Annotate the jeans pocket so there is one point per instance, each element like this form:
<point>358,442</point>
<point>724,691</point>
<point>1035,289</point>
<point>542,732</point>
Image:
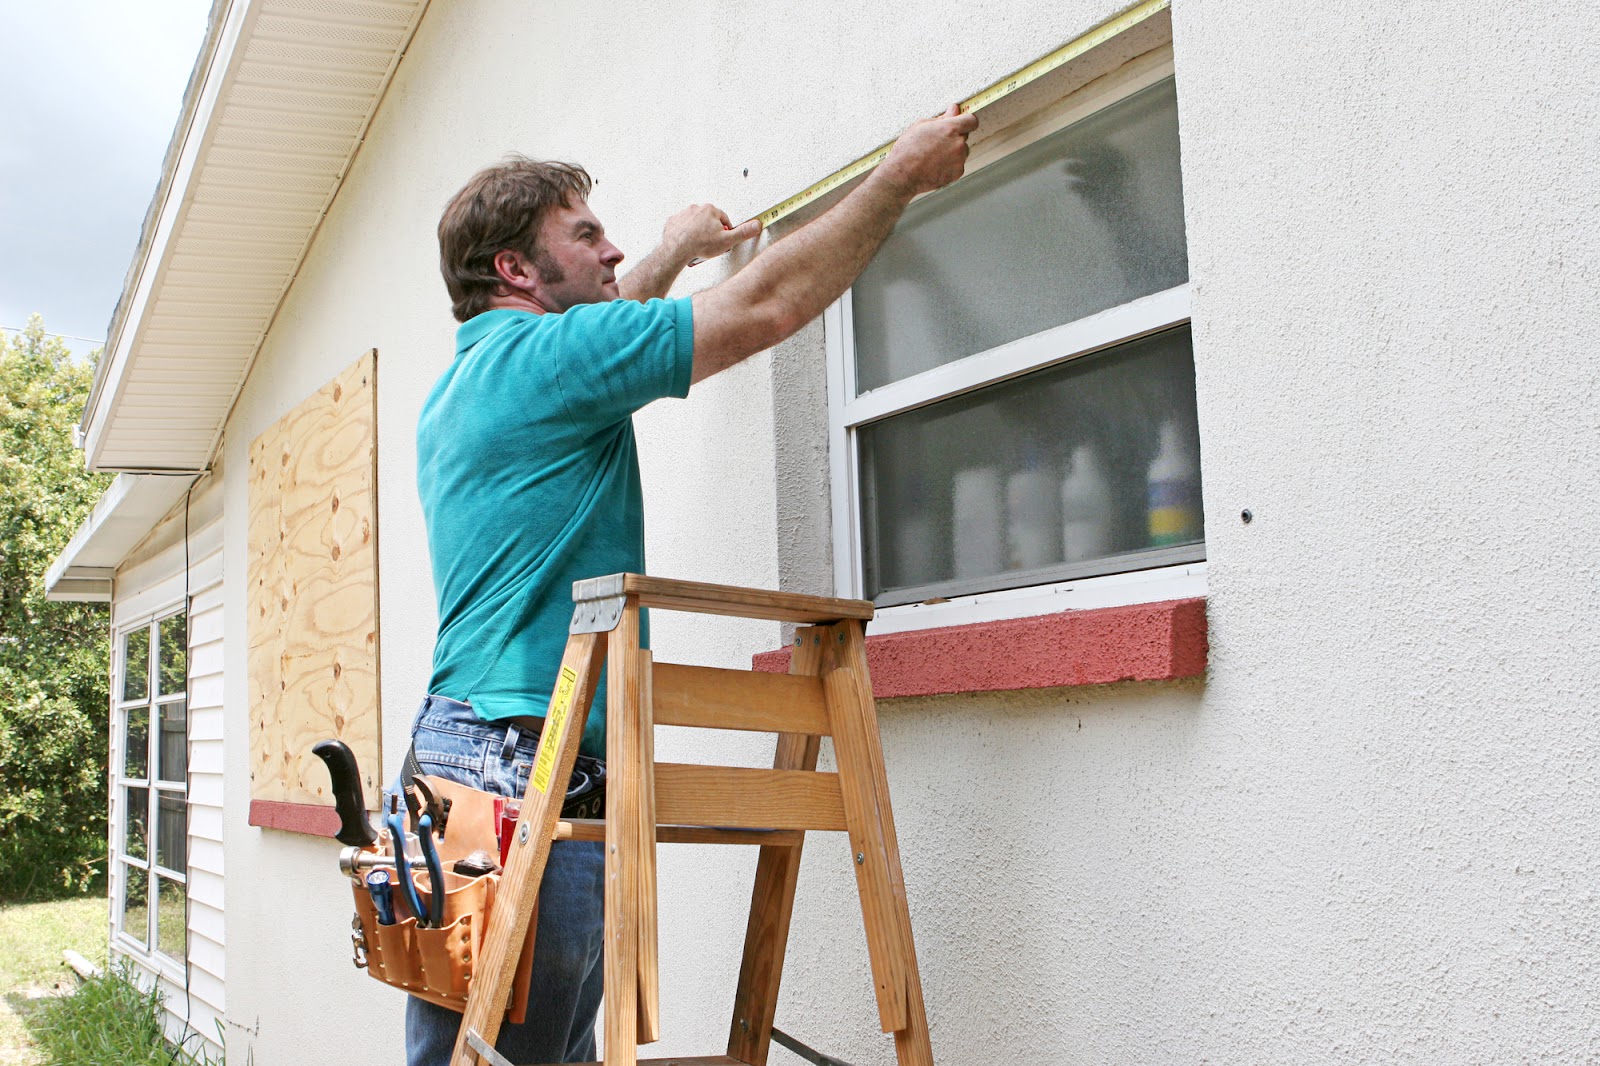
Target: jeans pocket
<point>452,756</point>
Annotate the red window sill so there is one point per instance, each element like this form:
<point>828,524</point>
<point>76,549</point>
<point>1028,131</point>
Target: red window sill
<point>1142,642</point>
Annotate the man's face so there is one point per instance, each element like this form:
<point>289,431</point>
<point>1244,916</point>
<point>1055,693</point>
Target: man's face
<point>576,264</point>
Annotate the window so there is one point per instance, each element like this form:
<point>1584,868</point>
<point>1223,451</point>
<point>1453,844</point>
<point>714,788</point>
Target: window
<point>151,781</point>
<point>1011,379</point>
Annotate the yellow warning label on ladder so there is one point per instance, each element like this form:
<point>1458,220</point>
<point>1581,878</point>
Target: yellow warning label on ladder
<point>555,726</point>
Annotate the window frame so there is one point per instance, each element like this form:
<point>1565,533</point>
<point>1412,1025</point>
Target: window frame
<point>849,412</point>
<point>148,949</point>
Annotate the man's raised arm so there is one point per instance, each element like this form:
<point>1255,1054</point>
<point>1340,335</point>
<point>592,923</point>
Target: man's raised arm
<point>794,280</point>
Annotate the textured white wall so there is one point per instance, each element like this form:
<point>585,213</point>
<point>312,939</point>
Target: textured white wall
<point>1393,238</point>
<point>1370,835</point>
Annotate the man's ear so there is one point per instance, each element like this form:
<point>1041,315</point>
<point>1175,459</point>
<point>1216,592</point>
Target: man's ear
<point>515,271</point>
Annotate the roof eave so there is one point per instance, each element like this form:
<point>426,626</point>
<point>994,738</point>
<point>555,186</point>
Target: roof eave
<point>126,512</point>
<point>244,190</point>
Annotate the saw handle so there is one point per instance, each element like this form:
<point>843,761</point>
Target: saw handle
<point>354,828</point>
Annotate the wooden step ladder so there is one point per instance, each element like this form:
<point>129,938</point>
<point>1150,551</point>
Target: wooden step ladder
<point>826,693</point>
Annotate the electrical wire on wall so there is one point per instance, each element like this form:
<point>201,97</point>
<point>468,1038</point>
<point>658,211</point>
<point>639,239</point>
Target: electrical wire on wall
<point>189,1031</point>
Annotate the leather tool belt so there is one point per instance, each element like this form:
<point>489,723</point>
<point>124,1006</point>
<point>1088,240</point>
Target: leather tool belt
<point>435,961</point>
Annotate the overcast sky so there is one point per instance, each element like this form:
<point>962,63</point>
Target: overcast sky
<point>91,91</point>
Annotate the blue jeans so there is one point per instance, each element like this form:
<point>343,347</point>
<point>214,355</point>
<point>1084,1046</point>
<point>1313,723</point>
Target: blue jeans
<point>568,977</point>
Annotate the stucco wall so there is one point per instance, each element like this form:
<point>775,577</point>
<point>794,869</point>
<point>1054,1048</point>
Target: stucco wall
<point>1370,835</point>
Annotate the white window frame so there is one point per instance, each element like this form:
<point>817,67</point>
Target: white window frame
<point>149,951</point>
<point>849,411</point>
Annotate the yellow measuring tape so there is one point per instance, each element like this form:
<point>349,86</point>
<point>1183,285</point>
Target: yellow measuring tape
<point>981,99</point>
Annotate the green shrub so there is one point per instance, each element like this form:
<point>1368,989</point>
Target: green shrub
<point>52,798</point>
<point>109,1021</point>
<point>54,704</point>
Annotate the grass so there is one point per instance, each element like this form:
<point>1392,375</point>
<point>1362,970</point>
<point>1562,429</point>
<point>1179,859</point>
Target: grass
<point>32,937</point>
<point>105,1021</point>
<point>109,1021</point>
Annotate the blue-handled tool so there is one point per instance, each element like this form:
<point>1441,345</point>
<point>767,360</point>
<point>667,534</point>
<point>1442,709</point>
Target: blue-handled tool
<point>402,864</point>
<point>430,855</point>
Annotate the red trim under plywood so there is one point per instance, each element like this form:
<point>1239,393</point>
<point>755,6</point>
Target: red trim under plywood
<point>1141,642</point>
<point>311,818</point>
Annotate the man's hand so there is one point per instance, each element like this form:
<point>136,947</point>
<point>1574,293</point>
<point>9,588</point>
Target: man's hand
<point>790,283</point>
<point>703,231</point>
<point>698,232</point>
<point>931,153</point>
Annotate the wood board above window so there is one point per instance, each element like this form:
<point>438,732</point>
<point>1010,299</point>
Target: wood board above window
<point>313,591</point>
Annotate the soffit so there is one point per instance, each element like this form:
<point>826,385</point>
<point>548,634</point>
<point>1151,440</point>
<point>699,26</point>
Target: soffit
<point>124,515</point>
<point>276,113</point>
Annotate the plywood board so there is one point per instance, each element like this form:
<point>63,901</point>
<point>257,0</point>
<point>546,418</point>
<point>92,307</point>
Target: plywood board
<point>313,590</point>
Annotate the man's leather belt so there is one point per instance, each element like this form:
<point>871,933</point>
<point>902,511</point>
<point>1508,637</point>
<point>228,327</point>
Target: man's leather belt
<point>586,790</point>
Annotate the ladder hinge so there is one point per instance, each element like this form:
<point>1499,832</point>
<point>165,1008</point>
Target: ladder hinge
<point>597,615</point>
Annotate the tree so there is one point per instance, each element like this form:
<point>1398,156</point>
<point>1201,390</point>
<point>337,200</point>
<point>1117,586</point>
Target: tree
<point>54,699</point>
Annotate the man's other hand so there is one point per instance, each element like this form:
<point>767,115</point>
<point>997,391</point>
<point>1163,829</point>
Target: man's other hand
<point>703,231</point>
<point>931,153</point>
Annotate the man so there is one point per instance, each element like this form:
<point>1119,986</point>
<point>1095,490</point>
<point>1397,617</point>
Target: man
<point>529,479</point>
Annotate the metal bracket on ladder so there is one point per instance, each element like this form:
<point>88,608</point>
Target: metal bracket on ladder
<point>598,604</point>
<point>810,1054</point>
<point>488,1053</point>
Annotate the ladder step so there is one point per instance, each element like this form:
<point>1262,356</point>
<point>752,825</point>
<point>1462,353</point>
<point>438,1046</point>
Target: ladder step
<point>595,829</point>
<point>715,698</point>
<point>740,796</point>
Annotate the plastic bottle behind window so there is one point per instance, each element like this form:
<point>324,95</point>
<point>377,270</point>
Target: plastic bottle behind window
<point>1174,488</point>
<point>977,528</point>
<point>1086,509</point>
<point>1033,515</point>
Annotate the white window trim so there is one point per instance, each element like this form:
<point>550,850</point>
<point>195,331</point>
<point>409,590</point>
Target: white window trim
<point>148,955</point>
<point>848,412</point>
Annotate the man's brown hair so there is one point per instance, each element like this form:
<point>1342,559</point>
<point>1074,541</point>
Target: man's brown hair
<point>501,208</point>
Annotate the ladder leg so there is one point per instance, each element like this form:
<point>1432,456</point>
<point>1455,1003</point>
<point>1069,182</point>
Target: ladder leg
<point>496,967</point>
<point>649,1022</point>
<point>624,839</point>
<point>772,901</point>
<point>865,787</point>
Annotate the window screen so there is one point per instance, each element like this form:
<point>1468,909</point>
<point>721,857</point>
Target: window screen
<point>1083,220</point>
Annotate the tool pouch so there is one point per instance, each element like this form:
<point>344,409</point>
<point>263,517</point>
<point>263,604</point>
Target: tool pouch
<point>438,964</point>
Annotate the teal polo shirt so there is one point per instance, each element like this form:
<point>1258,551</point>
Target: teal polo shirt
<point>529,479</point>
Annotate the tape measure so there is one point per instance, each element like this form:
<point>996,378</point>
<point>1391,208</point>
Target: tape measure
<point>979,100</point>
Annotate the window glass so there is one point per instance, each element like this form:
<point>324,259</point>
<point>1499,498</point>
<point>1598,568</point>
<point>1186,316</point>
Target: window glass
<point>136,664</point>
<point>172,747</point>
<point>1089,466</point>
<point>172,655</point>
<point>1085,219</point>
<point>136,903</point>
<point>136,823</point>
<point>153,892</point>
<point>136,743</point>
<point>172,831</point>
<point>172,932</point>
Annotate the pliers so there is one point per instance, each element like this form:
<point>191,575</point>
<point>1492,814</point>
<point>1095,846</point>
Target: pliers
<point>430,855</point>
